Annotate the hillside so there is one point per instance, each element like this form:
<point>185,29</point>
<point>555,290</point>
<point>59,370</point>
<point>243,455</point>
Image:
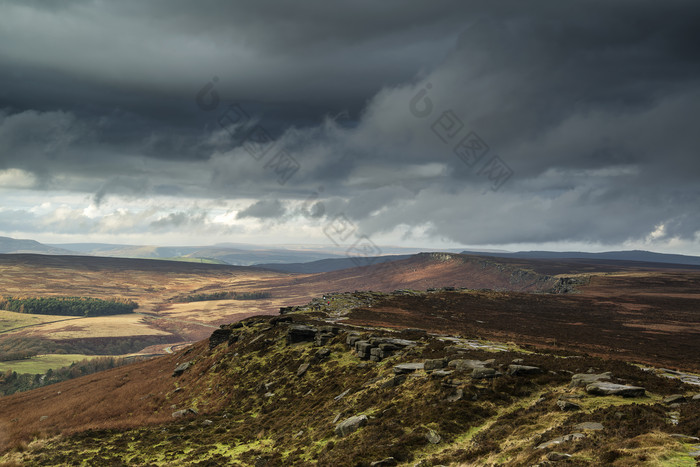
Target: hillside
<point>11,245</point>
<point>302,389</point>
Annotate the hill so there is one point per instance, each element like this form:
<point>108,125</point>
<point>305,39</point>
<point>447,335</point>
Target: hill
<point>306,388</point>
<point>11,245</point>
<point>632,255</point>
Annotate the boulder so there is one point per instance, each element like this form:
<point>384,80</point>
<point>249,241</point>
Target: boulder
<point>675,399</point>
<point>300,333</point>
<point>611,389</point>
<point>404,368</point>
<point>184,413</point>
<point>434,364</point>
<point>219,336</point>
<point>561,439</point>
<point>461,364</point>
<point>481,373</point>
<point>438,374</point>
<point>396,380</point>
<point>349,425</point>
<point>322,354</point>
<point>302,369</point>
<point>522,370</point>
<point>455,396</point>
<point>280,319</point>
<point>696,397</point>
<point>181,368</point>
<point>352,338</point>
<point>557,456</point>
<point>433,437</point>
<point>567,405</point>
<point>595,426</point>
<point>584,379</point>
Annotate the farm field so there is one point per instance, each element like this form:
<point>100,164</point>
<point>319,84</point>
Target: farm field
<point>42,363</point>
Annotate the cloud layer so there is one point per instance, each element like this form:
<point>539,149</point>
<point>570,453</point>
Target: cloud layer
<point>459,123</point>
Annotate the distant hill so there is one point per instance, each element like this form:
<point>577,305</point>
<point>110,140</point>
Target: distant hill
<point>12,245</point>
<point>327,265</point>
<point>629,255</point>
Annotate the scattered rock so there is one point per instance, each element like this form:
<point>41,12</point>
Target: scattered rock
<point>341,395</point>
<point>184,413</point>
<point>43,417</point>
<point>433,437</point>
<point>349,425</point>
<point>522,370</point>
<point>481,373</point>
<point>298,434</point>
<point>404,368</point>
<point>675,399</point>
<point>207,422</point>
<point>567,405</point>
<point>300,333</point>
<point>302,369</point>
<point>612,389</point>
<point>455,396</point>
<point>561,439</point>
<point>389,461</point>
<point>397,380</point>
<point>219,336</point>
<point>322,353</point>
<point>434,364</point>
<point>180,369</point>
<point>584,379</point>
<point>595,426</point>
<point>557,456</point>
<point>696,397</point>
<point>517,361</point>
<point>437,374</point>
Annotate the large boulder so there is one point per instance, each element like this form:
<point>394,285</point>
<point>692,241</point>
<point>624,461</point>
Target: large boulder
<point>483,373</point>
<point>561,439</point>
<point>466,365</point>
<point>603,388</point>
<point>300,333</point>
<point>584,379</point>
<point>184,413</point>
<point>434,364</point>
<point>219,336</point>
<point>349,425</point>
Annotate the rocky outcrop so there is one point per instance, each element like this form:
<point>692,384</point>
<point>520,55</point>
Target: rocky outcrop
<point>584,379</point>
<point>523,370</point>
<point>184,413</point>
<point>219,336</point>
<point>561,439</point>
<point>405,368</point>
<point>300,333</point>
<point>378,348</point>
<point>181,368</point>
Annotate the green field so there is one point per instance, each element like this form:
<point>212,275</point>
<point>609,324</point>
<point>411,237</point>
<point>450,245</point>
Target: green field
<point>189,259</point>
<point>10,320</point>
<point>41,363</point>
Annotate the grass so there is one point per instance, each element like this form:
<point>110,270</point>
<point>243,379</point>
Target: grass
<point>9,320</point>
<point>41,363</point>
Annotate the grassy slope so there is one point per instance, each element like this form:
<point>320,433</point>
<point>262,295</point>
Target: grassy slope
<point>41,363</point>
<point>290,421</point>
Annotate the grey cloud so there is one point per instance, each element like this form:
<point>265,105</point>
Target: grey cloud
<point>263,209</point>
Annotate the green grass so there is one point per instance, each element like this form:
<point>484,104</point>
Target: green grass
<point>41,363</point>
<point>188,259</point>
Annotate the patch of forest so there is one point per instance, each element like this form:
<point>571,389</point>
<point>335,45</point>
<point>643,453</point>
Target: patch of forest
<point>68,306</point>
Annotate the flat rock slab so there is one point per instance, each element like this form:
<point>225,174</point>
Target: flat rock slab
<point>675,399</point>
<point>523,370</point>
<point>349,425</point>
<point>561,439</point>
<point>584,379</point>
<point>595,426</point>
<point>568,405</point>
<point>464,364</point>
<point>481,373</point>
<point>612,389</point>
<point>404,368</point>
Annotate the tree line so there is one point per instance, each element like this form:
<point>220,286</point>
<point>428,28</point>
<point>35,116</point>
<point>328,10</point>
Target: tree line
<point>68,306</point>
<point>202,297</point>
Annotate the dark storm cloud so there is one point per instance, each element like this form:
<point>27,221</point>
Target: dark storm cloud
<point>591,104</point>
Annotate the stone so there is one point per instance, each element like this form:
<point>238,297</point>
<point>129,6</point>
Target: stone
<point>219,336</point>
<point>349,425</point>
<point>522,370</point>
<point>341,395</point>
<point>481,373</point>
<point>696,397</point>
<point>352,338</point>
<point>433,437</point>
<point>455,396</point>
<point>567,405</point>
<point>300,333</point>
<point>437,374</point>
<point>323,338</point>
<point>560,440</point>
<point>584,379</point>
<point>322,354</point>
<point>557,456</point>
<point>594,426</point>
<point>43,417</point>
<point>280,319</point>
<point>181,368</point>
<point>302,369</point>
<point>404,368</point>
<point>611,389</point>
<point>387,462</point>
<point>675,399</point>
<point>207,422</point>
<point>461,364</point>
<point>434,364</point>
<point>397,380</point>
<point>184,413</point>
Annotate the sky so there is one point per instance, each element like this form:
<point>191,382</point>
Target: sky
<point>510,125</point>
